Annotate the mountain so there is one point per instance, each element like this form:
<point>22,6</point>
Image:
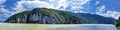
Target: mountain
<point>96,19</point>
<point>45,16</point>
<point>117,23</point>
<point>53,16</point>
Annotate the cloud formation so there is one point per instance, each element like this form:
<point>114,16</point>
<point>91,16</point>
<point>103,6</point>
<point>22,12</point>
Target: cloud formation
<point>54,4</point>
<point>101,11</point>
<point>2,1</point>
<point>113,14</point>
<point>24,5</point>
<point>3,12</point>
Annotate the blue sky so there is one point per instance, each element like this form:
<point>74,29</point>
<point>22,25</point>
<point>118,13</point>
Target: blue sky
<point>106,8</point>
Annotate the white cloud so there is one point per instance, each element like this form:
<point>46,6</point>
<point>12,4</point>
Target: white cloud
<point>101,11</point>
<point>97,3</point>
<point>2,1</point>
<point>24,5</point>
<point>80,12</point>
<point>54,4</point>
<point>2,8</point>
<point>4,12</point>
<point>101,8</point>
<point>113,14</point>
<point>77,4</point>
<point>76,8</point>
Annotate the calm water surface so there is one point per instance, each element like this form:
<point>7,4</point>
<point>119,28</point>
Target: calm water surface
<point>10,26</point>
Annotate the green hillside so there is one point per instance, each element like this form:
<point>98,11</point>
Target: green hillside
<point>45,16</point>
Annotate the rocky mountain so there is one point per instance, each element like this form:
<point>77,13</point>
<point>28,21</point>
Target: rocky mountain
<point>53,16</point>
<point>96,19</point>
<point>45,16</point>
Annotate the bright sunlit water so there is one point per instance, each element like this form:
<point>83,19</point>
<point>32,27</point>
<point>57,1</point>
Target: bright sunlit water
<point>9,26</point>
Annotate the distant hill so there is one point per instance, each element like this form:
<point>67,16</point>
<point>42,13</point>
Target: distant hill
<point>45,16</point>
<point>96,19</point>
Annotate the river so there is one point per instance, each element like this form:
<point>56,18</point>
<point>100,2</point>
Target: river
<point>10,26</point>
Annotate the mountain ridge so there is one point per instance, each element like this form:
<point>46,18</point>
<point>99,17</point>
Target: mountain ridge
<point>53,16</point>
<point>93,18</point>
<point>45,16</point>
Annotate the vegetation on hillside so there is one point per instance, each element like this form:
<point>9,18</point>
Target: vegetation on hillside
<point>117,23</point>
<point>45,16</point>
<point>96,19</point>
<point>53,16</point>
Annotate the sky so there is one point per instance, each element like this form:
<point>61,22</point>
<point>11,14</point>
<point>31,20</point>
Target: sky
<point>106,8</point>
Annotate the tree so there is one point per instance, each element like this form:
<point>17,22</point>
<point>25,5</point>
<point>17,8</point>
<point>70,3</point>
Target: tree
<point>117,23</point>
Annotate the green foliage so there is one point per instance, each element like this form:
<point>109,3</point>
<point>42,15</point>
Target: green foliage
<point>17,17</point>
<point>117,23</point>
<point>62,17</point>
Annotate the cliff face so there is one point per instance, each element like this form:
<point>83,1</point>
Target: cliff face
<point>45,16</point>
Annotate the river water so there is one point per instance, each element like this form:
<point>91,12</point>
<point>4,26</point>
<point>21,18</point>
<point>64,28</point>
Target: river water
<point>10,26</point>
